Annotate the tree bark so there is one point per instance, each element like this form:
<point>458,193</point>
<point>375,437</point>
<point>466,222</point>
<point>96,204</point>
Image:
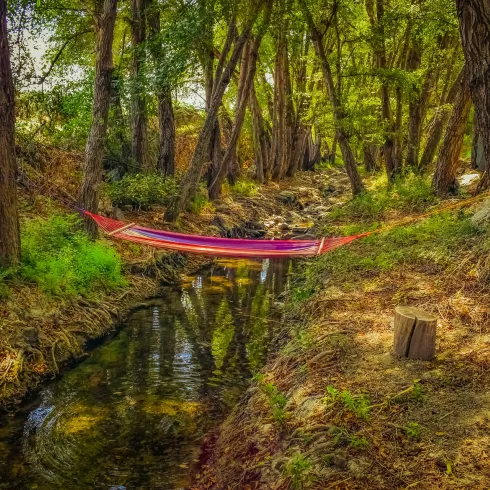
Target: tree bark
<point>437,125</point>
<point>474,27</point>
<point>166,120</point>
<point>9,217</point>
<point>104,18</point>
<point>261,137</point>
<point>444,179</point>
<point>191,179</point>
<point>415,333</point>
<point>139,138</point>
<point>415,108</point>
<point>166,143</point>
<point>341,135</point>
<point>279,140</point>
<point>370,157</point>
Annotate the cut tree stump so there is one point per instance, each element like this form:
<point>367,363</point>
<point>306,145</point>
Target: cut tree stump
<point>415,333</point>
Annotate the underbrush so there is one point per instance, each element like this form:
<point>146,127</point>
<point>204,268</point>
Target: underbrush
<point>62,261</point>
<point>142,190</point>
<point>245,188</point>
<point>434,243</point>
<point>411,194</point>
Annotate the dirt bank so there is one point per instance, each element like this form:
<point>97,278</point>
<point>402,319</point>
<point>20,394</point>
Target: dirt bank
<point>334,408</point>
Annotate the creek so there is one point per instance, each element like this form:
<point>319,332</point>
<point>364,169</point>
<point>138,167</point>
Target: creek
<point>134,413</point>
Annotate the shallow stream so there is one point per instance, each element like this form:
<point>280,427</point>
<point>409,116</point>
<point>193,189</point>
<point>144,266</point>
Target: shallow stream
<point>135,412</point>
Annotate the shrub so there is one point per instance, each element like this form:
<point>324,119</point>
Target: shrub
<point>411,193</point>
<point>61,259</point>
<point>142,190</point>
<point>245,188</point>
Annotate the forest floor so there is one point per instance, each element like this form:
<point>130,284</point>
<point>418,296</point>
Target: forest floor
<point>334,407</point>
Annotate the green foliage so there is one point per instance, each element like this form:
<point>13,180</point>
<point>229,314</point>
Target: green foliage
<point>277,400</point>
<point>412,430</point>
<point>356,404</point>
<point>358,442</point>
<point>62,261</point>
<point>408,194</point>
<point>199,202</point>
<point>245,188</point>
<point>142,190</point>
<point>298,469</point>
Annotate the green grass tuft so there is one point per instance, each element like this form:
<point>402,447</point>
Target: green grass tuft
<point>62,261</point>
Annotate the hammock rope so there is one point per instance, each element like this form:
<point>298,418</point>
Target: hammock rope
<point>236,247</point>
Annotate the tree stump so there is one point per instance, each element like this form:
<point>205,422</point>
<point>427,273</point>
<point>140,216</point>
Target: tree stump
<point>415,333</point>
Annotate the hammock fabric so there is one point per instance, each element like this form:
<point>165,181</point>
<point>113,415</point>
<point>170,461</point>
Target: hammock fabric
<point>230,247</point>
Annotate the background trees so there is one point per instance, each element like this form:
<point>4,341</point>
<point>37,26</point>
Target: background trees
<point>259,89</point>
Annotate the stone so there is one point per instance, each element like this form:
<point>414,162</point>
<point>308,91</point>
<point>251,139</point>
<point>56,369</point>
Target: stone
<point>481,219</point>
<point>287,197</point>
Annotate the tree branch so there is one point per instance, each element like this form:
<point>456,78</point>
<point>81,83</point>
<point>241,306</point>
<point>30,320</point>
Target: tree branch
<point>42,79</point>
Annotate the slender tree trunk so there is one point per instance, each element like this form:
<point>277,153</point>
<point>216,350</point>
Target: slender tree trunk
<point>279,140</point>
<point>474,27</point>
<point>105,17</point>
<point>190,181</point>
<point>9,218</point>
<point>166,121</point>
<point>342,138</point>
<point>437,125</point>
<point>139,139</point>
<point>370,157</point>
<point>261,137</point>
<point>444,179</point>
<point>415,108</point>
<point>166,143</point>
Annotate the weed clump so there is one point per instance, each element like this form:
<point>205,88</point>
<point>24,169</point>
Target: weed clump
<point>62,261</point>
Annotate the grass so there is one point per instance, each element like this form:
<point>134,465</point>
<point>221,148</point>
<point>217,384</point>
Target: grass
<point>410,194</point>
<point>62,261</point>
<point>433,244</point>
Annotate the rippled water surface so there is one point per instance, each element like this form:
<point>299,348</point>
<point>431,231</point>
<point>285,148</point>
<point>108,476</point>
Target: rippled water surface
<point>135,412</point>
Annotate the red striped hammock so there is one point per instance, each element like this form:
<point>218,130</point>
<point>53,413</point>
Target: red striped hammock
<point>205,245</point>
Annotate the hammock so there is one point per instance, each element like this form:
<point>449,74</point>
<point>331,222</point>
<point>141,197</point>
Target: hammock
<point>230,247</point>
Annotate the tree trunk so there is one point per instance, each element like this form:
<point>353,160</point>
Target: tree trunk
<point>94,150</point>
<point>261,137</point>
<point>342,137</point>
<point>370,157</point>
<point>474,27</point>
<point>444,179</point>
<point>415,333</point>
<point>191,179</point>
<point>476,146</point>
<point>437,125</point>
<point>166,144</point>
<point>279,140</point>
<point>166,121</point>
<point>415,108</point>
<point>9,218</point>
<point>139,138</point>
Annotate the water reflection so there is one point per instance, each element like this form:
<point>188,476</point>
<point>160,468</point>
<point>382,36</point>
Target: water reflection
<point>134,412</point>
